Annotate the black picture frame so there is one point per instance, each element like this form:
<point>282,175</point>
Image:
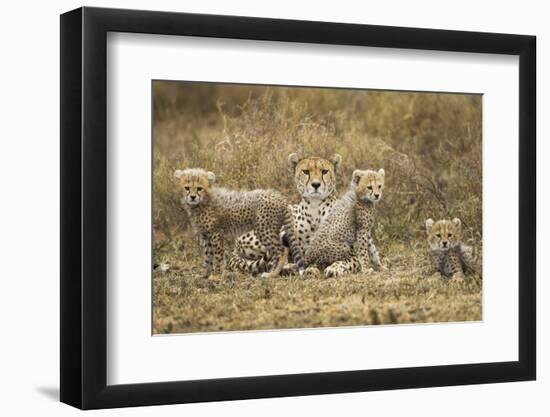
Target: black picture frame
<point>84,207</point>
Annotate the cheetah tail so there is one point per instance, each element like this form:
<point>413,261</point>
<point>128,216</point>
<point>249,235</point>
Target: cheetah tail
<point>253,267</point>
<point>288,238</point>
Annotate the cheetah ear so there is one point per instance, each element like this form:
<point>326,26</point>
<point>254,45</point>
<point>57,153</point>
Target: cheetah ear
<point>429,224</point>
<point>178,173</point>
<point>457,222</point>
<point>382,172</point>
<point>356,176</point>
<point>211,177</point>
<point>336,159</point>
<point>293,160</point>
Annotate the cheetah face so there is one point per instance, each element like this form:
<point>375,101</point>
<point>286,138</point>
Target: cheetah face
<point>368,185</point>
<point>315,177</point>
<point>443,234</point>
<point>194,185</point>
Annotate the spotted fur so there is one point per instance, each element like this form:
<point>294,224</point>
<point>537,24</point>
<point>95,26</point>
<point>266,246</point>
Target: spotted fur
<point>343,244</point>
<point>448,255</point>
<point>315,180</point>
<point>220,214</point>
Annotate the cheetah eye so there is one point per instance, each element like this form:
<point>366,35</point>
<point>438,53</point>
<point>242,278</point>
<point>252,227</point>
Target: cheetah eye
<point>370,187</point>
<point>199,188</point>
<point>186,188</point>
<point>324,171</point>
<point>439,235</point>
<point>450,235</point>
<point>379,186</point>
<point>305,171</point>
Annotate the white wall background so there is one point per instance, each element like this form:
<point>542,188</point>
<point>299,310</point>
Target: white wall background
<point>29,176</point>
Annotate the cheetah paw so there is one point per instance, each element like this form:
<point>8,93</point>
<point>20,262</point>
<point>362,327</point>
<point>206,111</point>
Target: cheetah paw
<point>312,270</point>
<point>458,277</point>
<point>268,275</point>
<point>333,273</point>
<point>379,266</point>
<point>289,269</point>
<point>216,277</point>
<point>434,276</point>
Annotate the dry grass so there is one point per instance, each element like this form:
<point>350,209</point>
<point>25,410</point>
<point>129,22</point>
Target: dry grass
<point>429,145</point>
<point>184,302</point>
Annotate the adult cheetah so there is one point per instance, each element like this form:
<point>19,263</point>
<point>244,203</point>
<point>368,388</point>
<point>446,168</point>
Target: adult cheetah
<point>315,180</point>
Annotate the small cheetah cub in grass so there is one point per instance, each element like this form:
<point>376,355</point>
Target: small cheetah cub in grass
<point>219,215</point>
<point>449,256</point>
<point>343,242</point>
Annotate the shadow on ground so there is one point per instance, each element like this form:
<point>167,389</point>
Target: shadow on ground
<point>50,392</point>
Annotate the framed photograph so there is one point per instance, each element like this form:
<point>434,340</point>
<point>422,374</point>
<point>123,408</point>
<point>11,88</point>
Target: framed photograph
<point>257,208</point>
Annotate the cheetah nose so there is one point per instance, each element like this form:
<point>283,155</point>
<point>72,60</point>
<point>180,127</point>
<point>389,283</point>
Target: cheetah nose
<point>316,185</point>
<point>445,244</point>
<point>193,197</point>
<point>377,196</point>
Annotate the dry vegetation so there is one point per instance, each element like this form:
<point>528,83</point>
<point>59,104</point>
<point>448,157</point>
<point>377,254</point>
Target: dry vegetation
<point>429,145</point>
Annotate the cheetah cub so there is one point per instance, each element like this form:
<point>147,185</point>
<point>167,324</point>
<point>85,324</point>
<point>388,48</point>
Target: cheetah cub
<point>343,242</point>
<point>449,256</point>
<point>219,215</point>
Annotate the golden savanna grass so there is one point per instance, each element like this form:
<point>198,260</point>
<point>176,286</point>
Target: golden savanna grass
<point>429,144</point>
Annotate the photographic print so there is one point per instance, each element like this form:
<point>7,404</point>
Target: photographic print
<point>278,207</point>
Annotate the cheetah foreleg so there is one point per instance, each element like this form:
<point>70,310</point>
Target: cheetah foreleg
<point>455,264</point>
<point>435,260</point>
<point>364,247</point>
<point>218,253</point>
<point>373,255</point>
<point>208,259</point>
